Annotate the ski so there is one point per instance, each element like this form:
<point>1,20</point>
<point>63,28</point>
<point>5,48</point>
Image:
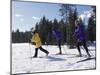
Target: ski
<point>86,59</point>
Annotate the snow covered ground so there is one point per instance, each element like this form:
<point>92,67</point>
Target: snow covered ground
<point>22,63</point>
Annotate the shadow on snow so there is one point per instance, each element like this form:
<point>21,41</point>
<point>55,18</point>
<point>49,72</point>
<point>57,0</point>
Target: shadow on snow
<point>55,59</point>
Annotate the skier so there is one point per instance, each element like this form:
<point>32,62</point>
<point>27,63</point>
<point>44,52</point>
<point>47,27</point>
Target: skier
<point>79,34</point>
<point>37,42</point>
<point>57,35</point>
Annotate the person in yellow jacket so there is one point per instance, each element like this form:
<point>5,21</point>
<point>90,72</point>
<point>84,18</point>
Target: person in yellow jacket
<point>37,42</point>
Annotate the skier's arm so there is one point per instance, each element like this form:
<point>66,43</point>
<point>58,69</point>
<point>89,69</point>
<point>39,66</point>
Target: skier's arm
<point>33,43</point>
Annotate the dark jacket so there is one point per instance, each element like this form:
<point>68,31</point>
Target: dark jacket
<point>79,32</point>
<point>57,35</point>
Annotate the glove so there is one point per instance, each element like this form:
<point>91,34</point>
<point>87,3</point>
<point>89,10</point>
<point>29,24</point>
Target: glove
<point>33,43</point>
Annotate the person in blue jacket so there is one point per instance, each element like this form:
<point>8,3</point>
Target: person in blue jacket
<point>80,36</point>
<point>57,35</point>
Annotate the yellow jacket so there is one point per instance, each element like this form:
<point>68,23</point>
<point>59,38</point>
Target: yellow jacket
<point>36,39</point>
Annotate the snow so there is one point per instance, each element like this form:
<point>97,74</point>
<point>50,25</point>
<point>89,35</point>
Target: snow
<point>22,63</point>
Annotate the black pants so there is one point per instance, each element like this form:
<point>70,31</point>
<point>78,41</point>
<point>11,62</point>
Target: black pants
<point>59,45</point>
<point>36,51</point>
<point>82,43</point>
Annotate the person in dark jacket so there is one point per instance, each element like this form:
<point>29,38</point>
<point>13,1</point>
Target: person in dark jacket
<point>57,35</point>
<point>80,37</point>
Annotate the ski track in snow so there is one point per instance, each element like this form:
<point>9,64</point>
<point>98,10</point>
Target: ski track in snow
<point>22,63</point>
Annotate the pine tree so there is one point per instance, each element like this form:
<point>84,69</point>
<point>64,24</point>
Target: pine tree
<point>69,16</point>
<point>92,25</point>
<point>91,29</point>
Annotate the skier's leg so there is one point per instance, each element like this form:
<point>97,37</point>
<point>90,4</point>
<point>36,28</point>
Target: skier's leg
<point>36,52</point>
<point>44,50</point>
<point>78,48</point>
<point>59,44</point>
<point>84,45</point>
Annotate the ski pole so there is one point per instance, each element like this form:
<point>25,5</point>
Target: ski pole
<point>30,49</point>
<point>89,51</point>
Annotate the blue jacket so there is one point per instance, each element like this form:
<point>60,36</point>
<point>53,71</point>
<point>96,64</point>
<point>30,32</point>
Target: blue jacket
<point>79,32</point>
<point>57,35</point>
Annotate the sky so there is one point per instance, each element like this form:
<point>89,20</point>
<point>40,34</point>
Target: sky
<point>26,14</point>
